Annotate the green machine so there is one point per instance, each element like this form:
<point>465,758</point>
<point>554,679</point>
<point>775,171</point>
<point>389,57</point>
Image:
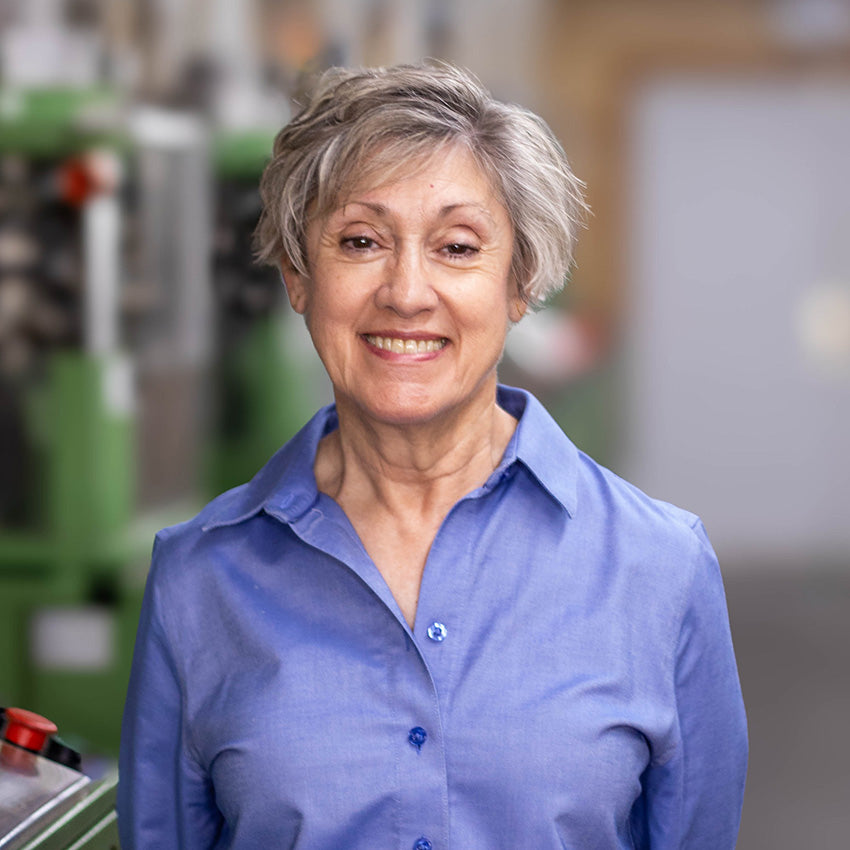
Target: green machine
<point>114,423</point>
<point>100,376</point>
<point>67,477</point>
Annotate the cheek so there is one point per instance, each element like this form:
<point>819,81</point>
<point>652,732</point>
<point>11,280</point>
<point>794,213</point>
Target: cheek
<point>332,320</point>
<point>342,294</point>
<point>488,310</point>
<point>327,306</point>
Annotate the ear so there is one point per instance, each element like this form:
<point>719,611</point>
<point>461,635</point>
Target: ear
<point>517,304</point>
<point>296,286</point>
<point>517,309</point>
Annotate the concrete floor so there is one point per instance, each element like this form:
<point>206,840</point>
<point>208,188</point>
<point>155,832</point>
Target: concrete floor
<point>792,639</point>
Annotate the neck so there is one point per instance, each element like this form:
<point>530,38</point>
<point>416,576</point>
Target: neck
<point>412,470</point>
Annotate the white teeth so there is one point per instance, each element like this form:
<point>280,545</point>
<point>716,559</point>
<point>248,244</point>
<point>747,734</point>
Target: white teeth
<point>406,346</point>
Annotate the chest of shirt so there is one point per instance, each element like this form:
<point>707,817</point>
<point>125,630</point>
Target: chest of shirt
<point>533,695</point>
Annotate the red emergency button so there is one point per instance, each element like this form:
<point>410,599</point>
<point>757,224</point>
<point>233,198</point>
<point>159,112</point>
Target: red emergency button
<point>28,729</point>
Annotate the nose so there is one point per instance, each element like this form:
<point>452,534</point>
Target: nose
<point>407,289</point>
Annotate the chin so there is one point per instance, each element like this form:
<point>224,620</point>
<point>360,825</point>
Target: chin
<point>413,405</point>
<point>403,412</point>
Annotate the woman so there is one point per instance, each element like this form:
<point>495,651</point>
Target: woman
<point>429,621</point>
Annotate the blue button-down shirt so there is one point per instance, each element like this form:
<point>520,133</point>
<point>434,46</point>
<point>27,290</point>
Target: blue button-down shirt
<point>569,682</point>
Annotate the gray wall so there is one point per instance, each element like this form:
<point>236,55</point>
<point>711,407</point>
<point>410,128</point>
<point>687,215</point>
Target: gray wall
<point>738,357</point>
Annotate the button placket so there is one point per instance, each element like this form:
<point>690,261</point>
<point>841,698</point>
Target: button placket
<point>433,644</point>
<point>422,769</point>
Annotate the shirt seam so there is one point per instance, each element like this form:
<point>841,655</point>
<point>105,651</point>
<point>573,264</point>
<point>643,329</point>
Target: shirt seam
<point>191,749</point>
<point>684,601</point>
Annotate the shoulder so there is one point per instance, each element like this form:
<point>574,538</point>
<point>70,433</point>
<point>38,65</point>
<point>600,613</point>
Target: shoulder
<point>659,549</point>
<point>284,486</point>
<point>181,537</point>
<point>599,501</point>
<point>600,489</point>
<point>185,555</point>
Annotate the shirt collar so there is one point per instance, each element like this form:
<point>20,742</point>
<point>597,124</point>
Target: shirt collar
<point>541,446</point>
<point>286,486</point>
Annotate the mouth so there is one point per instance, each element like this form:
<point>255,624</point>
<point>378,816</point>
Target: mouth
<point>397,345</point>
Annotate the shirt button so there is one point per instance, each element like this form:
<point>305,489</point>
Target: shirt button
<point>437,632</point>
<point>422,844</point>
<point>417,736</point>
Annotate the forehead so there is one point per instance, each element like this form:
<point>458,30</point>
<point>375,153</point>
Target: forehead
<point>383,167</point>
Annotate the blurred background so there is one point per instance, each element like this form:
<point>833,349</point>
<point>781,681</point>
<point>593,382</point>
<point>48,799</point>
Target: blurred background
<point>701,349</point>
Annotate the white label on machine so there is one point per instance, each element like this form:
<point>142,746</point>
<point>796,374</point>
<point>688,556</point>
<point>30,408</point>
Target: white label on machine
<point>117,386</point>
<point>81,638</point>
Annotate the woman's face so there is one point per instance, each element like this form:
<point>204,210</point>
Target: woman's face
<point>410,294</point>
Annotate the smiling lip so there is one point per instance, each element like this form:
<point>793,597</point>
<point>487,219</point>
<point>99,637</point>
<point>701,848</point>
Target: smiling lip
<point>407,344</point>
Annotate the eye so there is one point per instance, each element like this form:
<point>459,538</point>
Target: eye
<point>459,249</point>
<point>358,243</point>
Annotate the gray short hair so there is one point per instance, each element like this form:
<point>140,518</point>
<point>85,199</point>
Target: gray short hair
<point>356,124</point>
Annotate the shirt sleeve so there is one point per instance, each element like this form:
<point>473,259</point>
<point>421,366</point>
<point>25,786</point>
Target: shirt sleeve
<point>692,796</point>
<point>164,799</point>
